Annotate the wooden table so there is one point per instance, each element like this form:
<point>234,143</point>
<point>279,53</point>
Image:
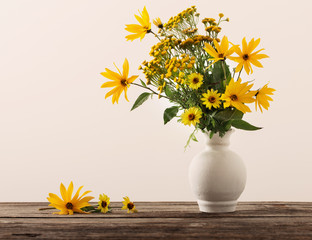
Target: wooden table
<point>169,220</point>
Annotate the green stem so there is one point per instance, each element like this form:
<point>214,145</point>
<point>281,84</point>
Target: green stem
<point>239,73</point>
<point>150,90</point>
<point>156,35</point>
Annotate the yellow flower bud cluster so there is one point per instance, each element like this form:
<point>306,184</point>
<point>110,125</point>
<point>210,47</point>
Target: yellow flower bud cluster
<point>195,40</point>
<point>185,15</point>
<point>189,31</point>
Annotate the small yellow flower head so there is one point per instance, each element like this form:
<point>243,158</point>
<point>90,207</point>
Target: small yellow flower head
<point>103,203</point>
<point>211,99</point>
<point>157,22</point>
<point>262,98</point>
<point>168,74</point>
<point>191,116</point>
<point>195,80</point>
<point>69,204</point>
<point>221,15</point>
<point>128,205</point>
<point>227,20</point>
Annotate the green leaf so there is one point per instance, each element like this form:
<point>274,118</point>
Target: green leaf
<point>191,137</point>
<point>170,113</point>
<point>229,114</point>
<point>168,91</point>
<point>140,100</point>
<point>241,124</point>
<point>143,83</point>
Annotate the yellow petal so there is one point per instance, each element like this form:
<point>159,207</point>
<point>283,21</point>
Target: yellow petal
<point>109,84</point>
<point>111,92</point>
<point>63,192</point>
<point>244,44</point>
<point>70,191</point>
<point>216,44</point>
<point>210,50</point>
<point>132,78</point>
<point>125,69</point>
<point>224,44</point>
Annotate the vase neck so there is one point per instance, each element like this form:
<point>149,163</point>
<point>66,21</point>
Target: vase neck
<point>219,142</point>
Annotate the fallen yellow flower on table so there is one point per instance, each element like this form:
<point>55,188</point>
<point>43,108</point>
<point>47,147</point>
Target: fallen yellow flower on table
<point>104,203</point>
<point>69,205</point>
<point>121,82</point>
<point>128,205</point>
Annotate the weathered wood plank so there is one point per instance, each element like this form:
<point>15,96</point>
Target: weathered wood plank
<point>176,228</point>
<point>165,209</point>
<point>168,220</point>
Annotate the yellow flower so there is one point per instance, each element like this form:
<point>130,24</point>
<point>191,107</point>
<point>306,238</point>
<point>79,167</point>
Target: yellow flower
<point>121,82</point>
<point>139,31</point>
<point>69,205</point>
<point>262,98</point>
<point>247,56</point>
<point>237,94</point>
<point>222,52</point>
<point>103,203</point>
<point>191,116</point>
<point>158,23</point>
<point>195,80</point>
<point>211,99</point>
<point>128,205</point>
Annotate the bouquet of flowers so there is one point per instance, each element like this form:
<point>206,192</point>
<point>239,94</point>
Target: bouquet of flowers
<point>191,71</point>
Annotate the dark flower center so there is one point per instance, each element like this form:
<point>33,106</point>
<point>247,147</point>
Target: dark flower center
<point>212,99</point>
<point>148,30</point>
<point>191,116</point>
<point>124,83</point>
<point>130,205</point>
<point>104,204</point>
<point>160,25</point>
<point>195,80</point>
<point>233,97</point>
<point>221,55</point>
<point>245,57</point>
<point>69,205</point>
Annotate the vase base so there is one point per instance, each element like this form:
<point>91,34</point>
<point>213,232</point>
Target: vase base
<point>217,206</point>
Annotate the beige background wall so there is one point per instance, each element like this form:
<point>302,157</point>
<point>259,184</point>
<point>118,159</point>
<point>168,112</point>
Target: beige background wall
<point>56,126</point>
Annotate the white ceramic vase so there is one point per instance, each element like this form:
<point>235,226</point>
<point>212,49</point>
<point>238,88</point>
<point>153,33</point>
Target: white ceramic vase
<point>217,175</point>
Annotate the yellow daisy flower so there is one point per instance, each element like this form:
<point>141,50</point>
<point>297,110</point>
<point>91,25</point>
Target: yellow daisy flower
<point>157,22</point>
<point>139,31</point>
<point>211,99</point>
<point>191,116</point>
<point>128,205</point>
<point>222,52</point>
<point>246,56</point>
<point>103,203</point>
<point>262,98</point>
<point>121,82</point>
<point>195,80</point>
<point>237,94</point>
<point>69,205</point>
